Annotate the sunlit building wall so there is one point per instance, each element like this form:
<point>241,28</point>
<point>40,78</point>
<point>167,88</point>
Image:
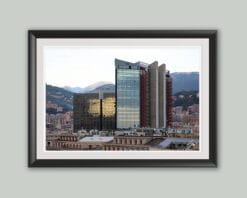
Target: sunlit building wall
<point>154,94</point>
<point>162,96</point>
<point>168,99</point>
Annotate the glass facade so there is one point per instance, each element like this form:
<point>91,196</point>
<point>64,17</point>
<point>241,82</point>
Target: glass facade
<point>140,94</point>
<point>108,111</point>
<point>87,111</point>
<point>128,96</point>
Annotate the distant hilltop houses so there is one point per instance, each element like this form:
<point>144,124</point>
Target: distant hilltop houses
<point>55,107</point>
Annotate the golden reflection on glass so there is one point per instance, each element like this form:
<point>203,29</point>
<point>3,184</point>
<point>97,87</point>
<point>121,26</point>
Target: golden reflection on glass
<point>94,107</point>
<point>109,106</point>
<point>87,113</point>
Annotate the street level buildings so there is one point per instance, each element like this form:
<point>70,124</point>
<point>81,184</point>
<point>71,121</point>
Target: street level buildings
<point>60,140</point>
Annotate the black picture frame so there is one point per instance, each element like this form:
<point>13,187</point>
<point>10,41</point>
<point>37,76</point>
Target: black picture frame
<point>33,35</point>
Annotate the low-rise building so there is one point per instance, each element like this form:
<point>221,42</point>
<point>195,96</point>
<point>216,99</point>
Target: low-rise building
<point>95,142</point>
<point>130,143</point>
<point>75,141</point>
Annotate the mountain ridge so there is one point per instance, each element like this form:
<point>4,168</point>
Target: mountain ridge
<point>185,81</point>
<point>182,81</point>
<point>88,88</point>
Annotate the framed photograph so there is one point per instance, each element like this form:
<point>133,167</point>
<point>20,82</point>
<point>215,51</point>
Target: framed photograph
<point>122,98</point>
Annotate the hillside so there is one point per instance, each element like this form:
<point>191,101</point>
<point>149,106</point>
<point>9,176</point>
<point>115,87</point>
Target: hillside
<point>185,81</point>
<point>60,97</point>
<point>185,99</point>
<point>106,87</point>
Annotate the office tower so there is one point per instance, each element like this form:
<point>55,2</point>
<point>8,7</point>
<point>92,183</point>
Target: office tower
<point>154,94</point>
<point>127,94</point>
<point>144,111</point>
<point>141,95</point>
<point>168,99</point>
<point>94,111</point>
<point>162,96</point>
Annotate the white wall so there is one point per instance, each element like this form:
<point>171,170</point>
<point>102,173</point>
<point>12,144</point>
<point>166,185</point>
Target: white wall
<point>16,17</point>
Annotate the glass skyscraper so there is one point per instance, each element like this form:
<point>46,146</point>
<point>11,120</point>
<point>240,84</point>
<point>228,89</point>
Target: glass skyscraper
<point>127,94</point>
<point>142,92</point>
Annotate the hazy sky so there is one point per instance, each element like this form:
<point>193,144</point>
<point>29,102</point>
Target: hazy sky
<point>81,66</point>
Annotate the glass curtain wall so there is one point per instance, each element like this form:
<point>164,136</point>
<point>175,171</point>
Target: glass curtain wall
<point>128,97</point>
